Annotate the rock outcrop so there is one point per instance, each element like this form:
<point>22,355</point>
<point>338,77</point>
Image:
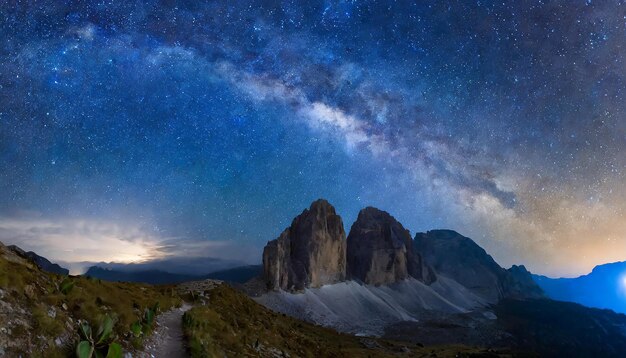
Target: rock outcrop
<point>520,284</point>
<point>380,251</point>
<point>460,258</point>
<point>309,253</point>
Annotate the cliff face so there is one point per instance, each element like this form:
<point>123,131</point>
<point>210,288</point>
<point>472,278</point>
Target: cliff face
<point>314,251</point>
<point>309,253</point>
<point>380,251</point>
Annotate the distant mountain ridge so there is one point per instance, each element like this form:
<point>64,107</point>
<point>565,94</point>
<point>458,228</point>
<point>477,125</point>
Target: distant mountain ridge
<point>153,277</point>
<point>239,274</point>
<point>144,273</point>
<point>181,265</point>
<point>603,287</point>
<point>160,277</point>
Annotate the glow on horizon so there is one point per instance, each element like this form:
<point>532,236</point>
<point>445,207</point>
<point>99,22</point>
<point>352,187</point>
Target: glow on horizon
<point>80,240</point>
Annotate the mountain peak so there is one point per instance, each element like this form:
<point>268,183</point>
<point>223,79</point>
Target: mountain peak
<point>309,253</point>
<point>519,268</point>
<point>459,257</point>
<point>380,250</point>
<point>314,251</point>
<point>321,204</point>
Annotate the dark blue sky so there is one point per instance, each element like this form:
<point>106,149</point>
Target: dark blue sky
<point>133,130</point>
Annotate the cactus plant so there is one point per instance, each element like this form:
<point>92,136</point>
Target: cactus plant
<point>66,285</point>
<point>149,316</point>
<point>145,323</point>
<point>136,328</point>
<point>99,345</point>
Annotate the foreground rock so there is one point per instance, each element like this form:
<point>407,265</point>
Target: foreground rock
<point>380,251</point>
<point>309,253</point>
<point>458,257</point>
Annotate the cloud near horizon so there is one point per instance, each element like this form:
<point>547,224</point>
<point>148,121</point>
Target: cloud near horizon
<point>80,243</point>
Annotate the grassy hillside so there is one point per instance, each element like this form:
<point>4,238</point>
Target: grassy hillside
<point>40,313</point>
<point>233,325</point>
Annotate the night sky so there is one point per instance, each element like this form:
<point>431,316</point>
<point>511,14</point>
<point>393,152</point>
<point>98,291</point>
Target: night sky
<point>135,130</point>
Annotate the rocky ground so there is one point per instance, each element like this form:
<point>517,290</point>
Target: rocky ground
<point>197,287</point>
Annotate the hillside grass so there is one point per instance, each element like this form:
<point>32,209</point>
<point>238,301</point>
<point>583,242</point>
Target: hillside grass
<point>233,325</point>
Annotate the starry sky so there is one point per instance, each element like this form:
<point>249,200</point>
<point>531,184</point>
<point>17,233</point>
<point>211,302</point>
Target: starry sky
<point>136,130</point>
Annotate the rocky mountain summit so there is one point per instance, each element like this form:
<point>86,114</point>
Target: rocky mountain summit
<point>380,251</point>
<point>460,258</point>
<point>314,251</point>
<point>309,253</point>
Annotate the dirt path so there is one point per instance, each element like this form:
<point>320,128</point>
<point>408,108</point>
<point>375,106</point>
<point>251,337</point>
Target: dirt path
<point>168,341</point>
